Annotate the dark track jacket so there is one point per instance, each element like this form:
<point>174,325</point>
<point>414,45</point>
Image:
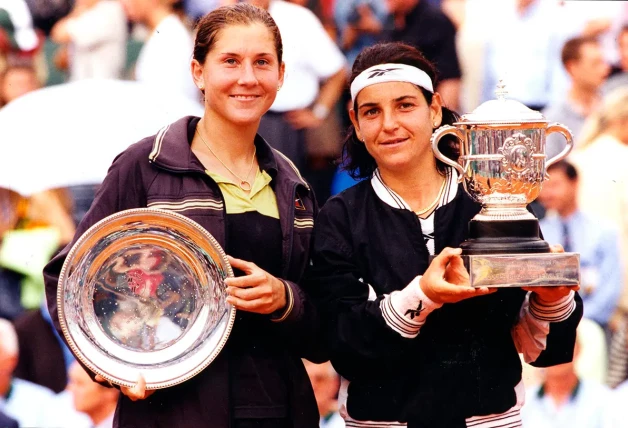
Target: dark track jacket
<point>161,171</point>
<point>463,363</point>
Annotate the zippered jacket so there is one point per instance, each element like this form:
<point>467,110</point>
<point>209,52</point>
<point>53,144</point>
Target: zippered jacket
<point>463,363</point>
<point>161,171</point>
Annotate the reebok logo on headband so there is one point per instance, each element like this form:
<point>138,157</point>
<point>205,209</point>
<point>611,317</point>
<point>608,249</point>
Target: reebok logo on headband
<point>382,73</point>
<point>378,72</point>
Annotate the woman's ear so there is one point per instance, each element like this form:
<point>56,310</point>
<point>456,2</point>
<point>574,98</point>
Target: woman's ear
<point>282,72</point>
<point>436,110</point>
<point>197,75</point>
<point>356,124</point>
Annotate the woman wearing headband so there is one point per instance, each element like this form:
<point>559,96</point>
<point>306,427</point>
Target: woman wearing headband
<point>414,343</point>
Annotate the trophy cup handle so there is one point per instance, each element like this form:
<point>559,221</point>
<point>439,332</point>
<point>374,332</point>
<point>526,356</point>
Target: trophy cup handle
<point>440,133</point>
<point>557,127</point>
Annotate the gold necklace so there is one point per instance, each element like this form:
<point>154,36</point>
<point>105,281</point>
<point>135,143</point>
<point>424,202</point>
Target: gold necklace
<point>244,184</point>
<point>431,206</point>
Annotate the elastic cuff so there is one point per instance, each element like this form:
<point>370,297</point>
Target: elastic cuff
<point>278,316</point>
<point>556,311</point>
<point>405,311</point>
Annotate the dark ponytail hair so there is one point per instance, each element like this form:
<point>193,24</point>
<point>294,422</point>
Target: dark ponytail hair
<point>356,159</point>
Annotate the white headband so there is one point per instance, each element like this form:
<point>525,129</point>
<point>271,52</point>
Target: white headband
<point>382,73</point>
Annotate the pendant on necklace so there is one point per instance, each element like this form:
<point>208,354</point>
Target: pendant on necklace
<point>245,185</point>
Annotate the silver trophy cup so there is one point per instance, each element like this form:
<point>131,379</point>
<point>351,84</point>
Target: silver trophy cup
<point>502,166</point>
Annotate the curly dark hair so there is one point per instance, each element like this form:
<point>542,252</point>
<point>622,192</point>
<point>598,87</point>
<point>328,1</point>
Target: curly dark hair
<point>356,160</point>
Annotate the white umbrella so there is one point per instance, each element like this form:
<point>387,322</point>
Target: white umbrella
<point>69,134</point>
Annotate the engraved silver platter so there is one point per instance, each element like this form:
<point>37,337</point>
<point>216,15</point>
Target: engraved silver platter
<point>142,292</point>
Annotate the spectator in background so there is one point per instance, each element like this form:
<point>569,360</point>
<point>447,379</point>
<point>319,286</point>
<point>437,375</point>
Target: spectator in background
<point>619,73</point>
<point>601,161</point>
<point>11,203</point>
<point>564,400</point>
<point>584,62</point>
<point>164,60</point>
<point>302,122</point>
<point>523,49</point>
<point>315,6</point>
<point>360,24</point>
<point>17,34</point>
<point>593,238</point>
<point>603,192</point>
<point>47,12</point>
<point>97,401</point>
<point>617,406</point>
<point>16,80</point>
<point>19,399</point>
<point>195,9</point>
<point>427,28</point>
<point>326,383</point>
<point>95,32</point>
<point>37,337</point>
<point>43,224</point>
<point>7,422</point>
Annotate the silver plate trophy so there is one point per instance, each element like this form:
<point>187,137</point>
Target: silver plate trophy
<point>502,166</point>
<point>142,291</point>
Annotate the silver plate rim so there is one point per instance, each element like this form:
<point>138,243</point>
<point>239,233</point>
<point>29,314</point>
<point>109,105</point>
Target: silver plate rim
<point>87,362</point>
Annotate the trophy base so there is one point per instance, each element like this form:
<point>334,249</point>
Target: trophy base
<point>523,270</point>
<point>512,254</point>
<point>504,237</point>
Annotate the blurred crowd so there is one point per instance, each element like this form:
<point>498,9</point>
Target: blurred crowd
<point>568,59</point>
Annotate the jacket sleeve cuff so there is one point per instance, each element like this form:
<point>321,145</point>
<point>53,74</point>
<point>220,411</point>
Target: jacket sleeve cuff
<point>556,311</point>
<point>283,314</point>
<point>530,333</point>
<point>405,310</point>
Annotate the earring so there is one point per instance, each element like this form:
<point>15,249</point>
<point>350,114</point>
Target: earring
<point>278,88</point>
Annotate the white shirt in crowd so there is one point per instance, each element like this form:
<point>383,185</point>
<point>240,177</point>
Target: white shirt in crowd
<point>164,61</point>
<point>20,15</point>
<point>99,42</point>
<point>310,55</point>
<point>585,409</point>
<point>61,413</point>
<point>28,403</point>
<point>616,412</point>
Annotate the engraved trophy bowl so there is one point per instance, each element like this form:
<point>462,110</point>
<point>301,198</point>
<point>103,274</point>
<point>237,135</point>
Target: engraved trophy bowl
<point>142,292</point>
<point>502,165</point>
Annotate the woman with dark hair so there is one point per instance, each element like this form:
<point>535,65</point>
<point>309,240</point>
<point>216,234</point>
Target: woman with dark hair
<point>414,343</point>
<point>219,172</point>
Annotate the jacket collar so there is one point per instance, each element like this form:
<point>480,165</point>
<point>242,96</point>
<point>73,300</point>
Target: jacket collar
<point>171,151</point>
<point>390,197</point>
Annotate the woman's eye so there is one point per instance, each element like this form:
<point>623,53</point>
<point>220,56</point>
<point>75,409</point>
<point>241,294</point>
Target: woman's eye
<point>231,61</point>
<point>262,62</point>
<point>406,105</point>
<point>370,112</point>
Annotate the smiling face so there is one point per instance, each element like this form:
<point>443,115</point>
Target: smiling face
<point>241,73</point>
<point>396,123</point>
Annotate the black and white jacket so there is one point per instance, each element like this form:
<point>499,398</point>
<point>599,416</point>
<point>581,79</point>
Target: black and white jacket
<point>443,370</point>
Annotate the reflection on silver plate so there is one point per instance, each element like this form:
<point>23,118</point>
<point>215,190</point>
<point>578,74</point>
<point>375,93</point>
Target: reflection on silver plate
<point>142,291</point>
